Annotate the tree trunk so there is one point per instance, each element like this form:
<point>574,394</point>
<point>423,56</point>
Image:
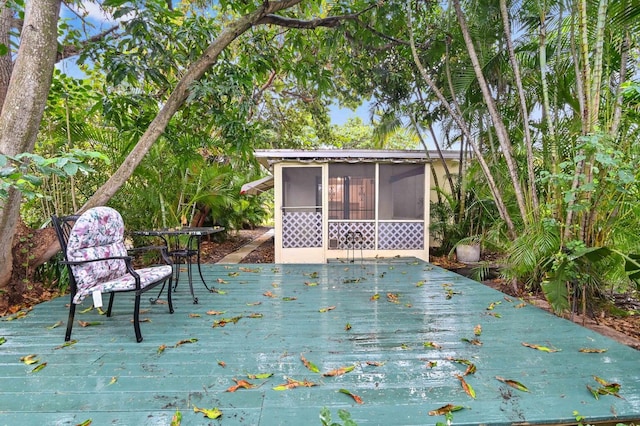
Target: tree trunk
<point>501,131</point>
<point>23,107</point>
<point>493,187</point>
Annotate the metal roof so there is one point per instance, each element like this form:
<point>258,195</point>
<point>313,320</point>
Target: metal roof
<point>267,157</point>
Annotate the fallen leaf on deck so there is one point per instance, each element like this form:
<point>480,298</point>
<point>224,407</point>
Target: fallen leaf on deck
<point>471,368</point>
<point>140,320</point>
<point>355,397</point>
<point>592,350</point>
<point>292,384</point>
<point>240,384</point>
<point>310,284</point>
<point>268,294</point>
<point>176,420</point>
<point>375,363</point>
<point>393,297</point>
<point>289,299</point>
<point>347,327</point>
<point>475,342</point>
<point>39,367</point>
<point>56,325</point>
<point>431,345</point>
<point>327,309</point>
<point>256,315</point>
<point>253,270</point>
<point>183,342</point>
<point>310,366</point>
<point>224,321</point>
<point>114,379</point>
<point>161,348</point>
<point>466,386</point>
<point>194,315</point>
<point>375,297</point>
<point>254,303</point>
<point>539,347</point>
<point>492,305</point>
<point>419,283</point>
<point>213,413</point>
<point>339,371</point>
<point>88,323</point>
<point>222,364</point>
<point>446,409</point>
<point>520,305</point>
<point>30,359</point>
<point>259,376</point>
<point>477,330</point>
<point>67,344</point>
<point>85,423</point>
<point>514,384</point>
<point>2,340</point>
<point>221,281</point>
<point>89,309</point>
<point>607,388</point>
<point>233,274</point>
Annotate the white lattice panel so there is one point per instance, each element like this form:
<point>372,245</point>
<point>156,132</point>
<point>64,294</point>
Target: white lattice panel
<point>401,236</point>
<point>301,229</point>
<point>352,235</point>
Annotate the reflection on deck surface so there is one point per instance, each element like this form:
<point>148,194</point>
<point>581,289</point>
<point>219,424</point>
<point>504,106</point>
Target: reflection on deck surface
<point>408,329</point>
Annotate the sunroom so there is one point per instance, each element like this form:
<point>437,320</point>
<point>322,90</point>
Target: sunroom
<point>349,205</point>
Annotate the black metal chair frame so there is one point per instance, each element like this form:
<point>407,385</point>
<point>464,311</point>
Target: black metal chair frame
<point>63,226</point>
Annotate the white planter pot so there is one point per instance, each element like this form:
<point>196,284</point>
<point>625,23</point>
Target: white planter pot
<point>468,253</point>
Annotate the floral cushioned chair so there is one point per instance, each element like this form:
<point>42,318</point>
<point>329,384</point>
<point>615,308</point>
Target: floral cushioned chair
<point>95,253</point>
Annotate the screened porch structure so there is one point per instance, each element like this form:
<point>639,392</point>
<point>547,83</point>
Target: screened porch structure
<point>349,204</point>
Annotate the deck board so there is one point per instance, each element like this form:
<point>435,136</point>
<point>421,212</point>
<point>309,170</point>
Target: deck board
<point>109,378</point>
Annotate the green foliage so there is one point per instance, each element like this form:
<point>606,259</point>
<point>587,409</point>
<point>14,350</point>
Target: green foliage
<point>25,171</point>
<point>345,416</point>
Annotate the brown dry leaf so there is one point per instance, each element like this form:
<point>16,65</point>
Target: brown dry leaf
<point>310,366</point>
<point>292,384</point>
<point>215,312</point>
<point>514,384</point>
<point>393,297</point>
<point>592,350</point>
<point>466,386</point>
<point>355,397</point>
<point>339,371</point>
<point>446,409</point>
<point>539,347</point>
<point>88,323</point>
<point>240,384</point>
<point>268,294</point>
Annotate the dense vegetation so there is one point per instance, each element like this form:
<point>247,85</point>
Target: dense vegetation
<point>172,99</point>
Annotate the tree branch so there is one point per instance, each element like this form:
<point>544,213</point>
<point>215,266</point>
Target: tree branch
<point>70,50</point>
<point>329,22</point>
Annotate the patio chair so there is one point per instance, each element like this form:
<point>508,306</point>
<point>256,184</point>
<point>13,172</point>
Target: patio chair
<point>98,262</point>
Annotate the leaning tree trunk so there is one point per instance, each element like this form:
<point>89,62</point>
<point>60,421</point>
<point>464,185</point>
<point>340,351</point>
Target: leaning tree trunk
<point>23,108</point>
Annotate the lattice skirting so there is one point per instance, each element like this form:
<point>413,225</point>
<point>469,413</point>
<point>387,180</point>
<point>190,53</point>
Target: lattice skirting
<point>401,236</point>
<point>301,229</point>
<point>352,235</point>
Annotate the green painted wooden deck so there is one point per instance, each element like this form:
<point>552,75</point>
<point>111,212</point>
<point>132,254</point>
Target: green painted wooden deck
<point>109,378</point>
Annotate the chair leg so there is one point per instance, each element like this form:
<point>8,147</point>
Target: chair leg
<point>169,300</point>
<point>111,296</point>
<point>136,318</point>
<point>72,313</point>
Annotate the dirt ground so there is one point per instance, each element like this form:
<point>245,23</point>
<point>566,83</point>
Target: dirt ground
<point>625,329</point>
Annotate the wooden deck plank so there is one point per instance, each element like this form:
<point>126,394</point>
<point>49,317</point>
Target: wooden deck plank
<point>109,378</point>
